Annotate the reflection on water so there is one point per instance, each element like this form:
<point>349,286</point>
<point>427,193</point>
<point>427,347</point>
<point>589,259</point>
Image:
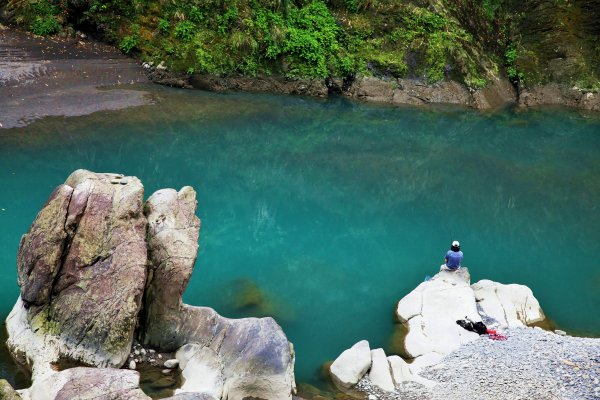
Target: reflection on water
<point>331,211</point>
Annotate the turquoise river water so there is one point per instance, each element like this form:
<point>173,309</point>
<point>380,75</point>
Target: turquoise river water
<point>324,214</point>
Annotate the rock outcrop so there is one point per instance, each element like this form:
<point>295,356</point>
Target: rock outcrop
<point>249,357</point>
<point>87,384</point>
<point>430,311</point>
<point>428,317</point>
<point>94,257</point>
<point>81,269</point>
<point>351,365</point>
<point>507,306</point>
<point>497,94</point>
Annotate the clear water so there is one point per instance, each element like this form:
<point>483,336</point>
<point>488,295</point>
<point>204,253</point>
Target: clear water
<point>334,210</point>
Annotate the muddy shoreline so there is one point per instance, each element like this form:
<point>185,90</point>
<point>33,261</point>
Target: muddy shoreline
<point>42,77</point>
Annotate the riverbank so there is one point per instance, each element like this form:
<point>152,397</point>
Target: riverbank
<point>42,77</point>
<point>530,364</point>
<point>52,76</point>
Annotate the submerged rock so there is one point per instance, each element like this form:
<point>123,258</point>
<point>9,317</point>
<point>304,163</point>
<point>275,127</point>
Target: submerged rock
<point>7,392</point>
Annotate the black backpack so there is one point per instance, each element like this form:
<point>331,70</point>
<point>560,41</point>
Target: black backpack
<point>478,327</point>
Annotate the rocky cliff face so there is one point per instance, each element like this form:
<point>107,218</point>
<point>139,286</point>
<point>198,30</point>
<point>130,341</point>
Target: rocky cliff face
<point>93,258</point>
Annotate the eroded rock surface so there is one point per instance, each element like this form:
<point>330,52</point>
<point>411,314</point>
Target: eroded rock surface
<point>430,312</point>
<point>88,383</point>
<point>93,256</point>
<point>250,357</point>
<point>507,306</point>
<point>82,270</point>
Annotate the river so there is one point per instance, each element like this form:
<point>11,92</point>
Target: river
<point>324,213</point>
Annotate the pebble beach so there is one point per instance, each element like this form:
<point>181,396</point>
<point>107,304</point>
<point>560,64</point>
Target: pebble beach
<point>530,364</point>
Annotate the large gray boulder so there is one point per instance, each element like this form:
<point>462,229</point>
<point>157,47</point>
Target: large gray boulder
<point>351,365</point>
<point>507,306</point>
<point>173,231</point>
<point>92,257</point>
<point>381,373</point>
<point>81,269</point>
<point>86,384</point>
<point>430,313</point>
<point>244,358</point>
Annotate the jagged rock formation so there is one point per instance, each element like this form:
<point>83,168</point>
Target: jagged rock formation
<point>82,269</point>
<point>230,348</point>
<point>93,253</point>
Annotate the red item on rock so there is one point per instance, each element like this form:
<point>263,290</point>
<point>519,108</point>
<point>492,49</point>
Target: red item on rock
<point>497,336</point>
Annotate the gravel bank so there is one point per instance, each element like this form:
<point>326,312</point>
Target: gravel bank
<point>531,364</point>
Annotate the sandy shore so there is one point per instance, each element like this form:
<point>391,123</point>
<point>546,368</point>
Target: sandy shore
<point>42,77</point>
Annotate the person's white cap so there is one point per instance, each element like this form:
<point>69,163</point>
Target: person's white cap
<point>455,244</point>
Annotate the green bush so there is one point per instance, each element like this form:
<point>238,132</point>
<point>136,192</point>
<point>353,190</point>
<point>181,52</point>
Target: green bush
<point>510,59</point>
<point>184,30</point>
<point>128,43</point>
<point>45,25</point>
<point>164,26</point>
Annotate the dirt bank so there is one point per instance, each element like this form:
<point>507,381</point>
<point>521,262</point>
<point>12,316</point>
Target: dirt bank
<point>42,77</point>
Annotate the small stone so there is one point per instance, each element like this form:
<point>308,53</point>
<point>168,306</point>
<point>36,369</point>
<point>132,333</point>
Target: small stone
<point>561,333</point>
<point>173,363</point>
<point>132,364</point>
<point>152,360</point>
<point>372,397</point>
<point>143,351</point>
<point>160,356</point>
<point>166,371</point>
<point>136,352</point>
<point>152,351</point>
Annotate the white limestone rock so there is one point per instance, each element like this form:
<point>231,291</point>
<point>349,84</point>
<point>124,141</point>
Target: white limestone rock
<point>351,365</point>
<point>202,370</point>
<point>507,306</point>
<point>430,313</point>
<point>400,371</point>
<point>380,374</point>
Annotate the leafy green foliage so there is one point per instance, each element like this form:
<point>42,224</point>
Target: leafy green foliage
<point>46,25</point>
<point>510,58</point>
<point>301,38</point>
<point>41,17</point>
<point>129,43</point>
<point>184,31</point>
<point>164,26</point>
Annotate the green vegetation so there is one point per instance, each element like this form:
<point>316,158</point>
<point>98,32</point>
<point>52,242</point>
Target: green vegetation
<point>433,40</point>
